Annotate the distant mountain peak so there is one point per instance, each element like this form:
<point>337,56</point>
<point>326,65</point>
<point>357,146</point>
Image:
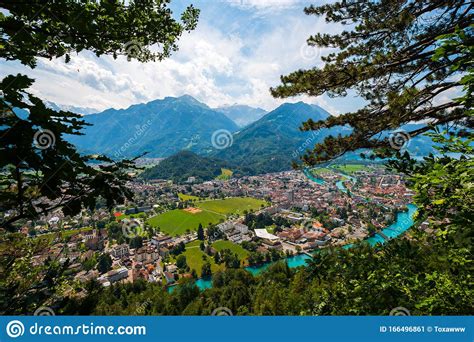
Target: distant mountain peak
<point>188,97</point>
<point>160,127</point>
<point>271,143</point>
<point>74,109</point>
<point>242,115</point>
<point>238,105</point>
<point>300,104</point>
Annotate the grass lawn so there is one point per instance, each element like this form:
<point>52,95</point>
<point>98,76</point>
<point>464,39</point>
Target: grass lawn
<point>271,229</point>
<point>129,216</point>
<point>184,197</point>
<point>234,205</point>
<point>194,258</point>
<point>235,248</point>
<point>350,168</point>
<point>175,222</point>
<point>69,233</point>
<point>225,174</point>
<point>49,237</point>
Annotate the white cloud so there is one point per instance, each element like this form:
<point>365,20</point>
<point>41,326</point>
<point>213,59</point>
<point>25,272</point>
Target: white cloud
<point>274,5</point>
<point>213,65</point>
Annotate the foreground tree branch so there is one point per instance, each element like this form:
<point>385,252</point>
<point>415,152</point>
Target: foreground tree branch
<point>402,57</point>
<point>40,171</point>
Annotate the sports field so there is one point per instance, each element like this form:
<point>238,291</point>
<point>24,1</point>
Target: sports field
<point>350,168</point>
<point>176,222</point>
<point>234,205</point>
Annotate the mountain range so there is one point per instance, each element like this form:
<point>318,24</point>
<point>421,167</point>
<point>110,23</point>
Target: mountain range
<point>271,143</point>
<point>161,128</point>
<point>258,142</point>
<point>74,109</point>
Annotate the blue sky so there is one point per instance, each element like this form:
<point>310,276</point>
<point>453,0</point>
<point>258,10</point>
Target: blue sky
<point>238,51</point>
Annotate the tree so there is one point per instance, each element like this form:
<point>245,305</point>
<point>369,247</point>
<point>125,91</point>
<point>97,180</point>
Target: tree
<point>178,249</point>
<point>104,263</point>
<point>206,270</point>
<point>89,263</point>
<point>23,285</point>
<point>181,261</point>
<point>200,232</point>
<point>390,57</point>
<point>194,273</point>
<point>40,170</point>
<point>217,258</point>
<point>443,188</point>
<point>214,233</point>
<point>136,242</point>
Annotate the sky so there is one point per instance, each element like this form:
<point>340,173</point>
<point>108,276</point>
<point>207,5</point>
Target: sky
<point>237,52</point>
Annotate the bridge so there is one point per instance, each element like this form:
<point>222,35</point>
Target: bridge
<point>385,237</point>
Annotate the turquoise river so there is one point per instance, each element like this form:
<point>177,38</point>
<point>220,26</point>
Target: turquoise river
<point>403,222</point>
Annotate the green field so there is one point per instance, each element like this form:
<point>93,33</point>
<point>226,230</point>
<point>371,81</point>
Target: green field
<point>176,222</point>
<point>49,237</point>
<point>184,197</point>
<point>194,258</point>
<point>235,248</point>
<point>350,168</point>
<point>129,216</point>
<point>234,205</point>
<point>225,174</point>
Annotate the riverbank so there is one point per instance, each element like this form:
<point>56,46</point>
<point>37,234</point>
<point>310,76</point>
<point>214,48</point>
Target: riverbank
<point>403,222</point>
